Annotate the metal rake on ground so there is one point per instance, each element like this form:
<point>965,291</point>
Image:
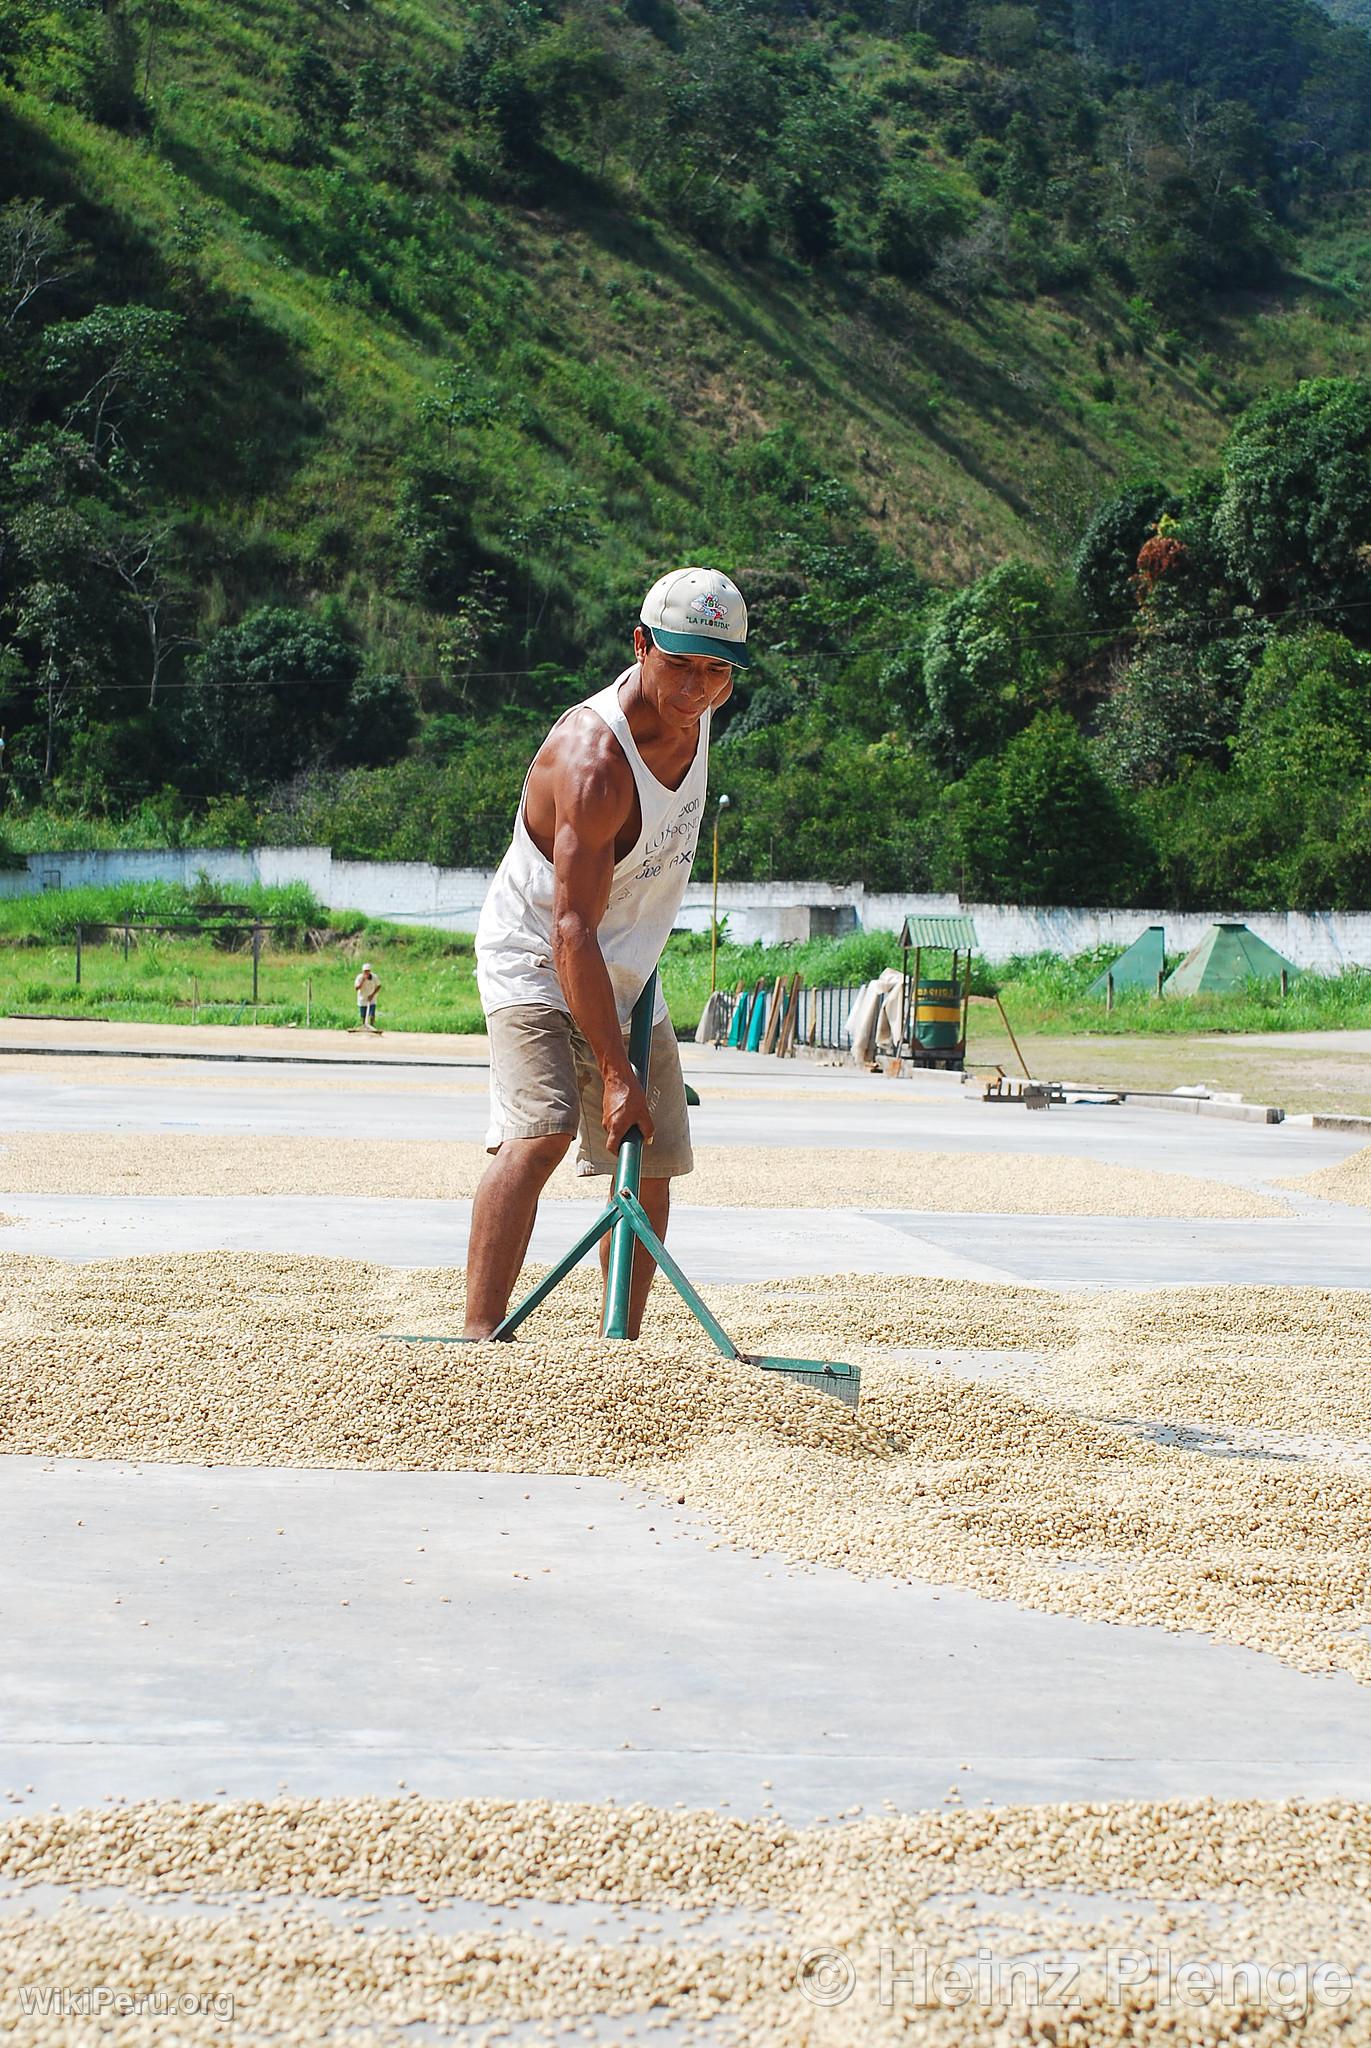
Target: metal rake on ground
<point>626,1218</point>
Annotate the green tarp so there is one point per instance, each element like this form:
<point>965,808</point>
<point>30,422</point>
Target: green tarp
<point>1226,959</point>
<point>1138,967</point>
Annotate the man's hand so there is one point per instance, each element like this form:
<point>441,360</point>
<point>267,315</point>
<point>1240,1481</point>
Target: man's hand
<point>624,1106</point>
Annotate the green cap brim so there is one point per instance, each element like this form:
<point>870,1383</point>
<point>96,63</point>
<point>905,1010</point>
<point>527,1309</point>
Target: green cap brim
<point>702,643</point>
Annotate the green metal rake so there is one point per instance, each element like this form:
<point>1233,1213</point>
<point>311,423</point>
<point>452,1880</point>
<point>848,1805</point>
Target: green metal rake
<point>627,1219</point>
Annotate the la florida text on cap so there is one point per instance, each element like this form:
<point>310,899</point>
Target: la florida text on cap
<point>698,611</point>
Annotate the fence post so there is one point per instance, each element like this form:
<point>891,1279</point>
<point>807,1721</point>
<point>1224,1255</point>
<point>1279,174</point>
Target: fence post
<point>309,1001</point>
<point>78,956</point>
<point>126,942</point>
<point>194,999</point>
<point>1108,994</point>
<point>1161,977</point>
<point>1285,983</point>
<point>256,960</point>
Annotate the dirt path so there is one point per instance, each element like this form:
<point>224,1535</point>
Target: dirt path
<point>1327,1071</point>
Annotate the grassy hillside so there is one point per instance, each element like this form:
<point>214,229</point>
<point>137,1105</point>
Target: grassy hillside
<point>475,316</point>
<point>369,305</point>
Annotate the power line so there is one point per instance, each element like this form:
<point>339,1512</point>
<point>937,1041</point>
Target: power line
<point>1144,630</point>
<point>307,682</point>
<point>1148,630</point>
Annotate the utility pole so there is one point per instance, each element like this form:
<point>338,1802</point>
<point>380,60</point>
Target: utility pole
<point>714,913</point>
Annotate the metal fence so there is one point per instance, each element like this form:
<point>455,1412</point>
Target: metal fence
<point>821,1019</point>
<point>92,945</point>
<point>252,931</point>
<point>823,1015</point>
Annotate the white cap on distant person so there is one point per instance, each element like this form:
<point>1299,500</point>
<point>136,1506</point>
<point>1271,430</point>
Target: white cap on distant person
<point>698,611</point>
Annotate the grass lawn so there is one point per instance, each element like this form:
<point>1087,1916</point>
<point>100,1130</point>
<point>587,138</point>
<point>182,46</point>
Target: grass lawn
<point>169,974</point>
<point>183,980</point>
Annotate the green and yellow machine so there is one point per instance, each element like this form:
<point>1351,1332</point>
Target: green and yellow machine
<point>933,1011</point>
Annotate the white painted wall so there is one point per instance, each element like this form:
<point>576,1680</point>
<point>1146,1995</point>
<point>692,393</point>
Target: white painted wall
<point>226,866</point>
<point>420,893</point>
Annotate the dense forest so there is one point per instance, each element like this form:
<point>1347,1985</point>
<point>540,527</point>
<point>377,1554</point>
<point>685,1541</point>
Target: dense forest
<point>360,367</point>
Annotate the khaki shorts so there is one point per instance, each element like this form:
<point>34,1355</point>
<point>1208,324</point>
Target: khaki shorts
<point>544,1083</point>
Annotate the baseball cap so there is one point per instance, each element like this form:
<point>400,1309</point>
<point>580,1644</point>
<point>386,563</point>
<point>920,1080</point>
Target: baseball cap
<point>698,611</point>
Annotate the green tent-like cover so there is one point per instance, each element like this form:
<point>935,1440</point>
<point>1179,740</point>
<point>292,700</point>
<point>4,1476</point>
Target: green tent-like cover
<point>1226,959</point>
<point>1138,967</point>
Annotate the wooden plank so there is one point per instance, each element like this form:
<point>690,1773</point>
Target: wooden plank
<point>786,1047</point>
<point>773,1022</point>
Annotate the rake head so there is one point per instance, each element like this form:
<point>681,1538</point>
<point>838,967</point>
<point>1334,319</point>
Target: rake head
<point>844,1382</point>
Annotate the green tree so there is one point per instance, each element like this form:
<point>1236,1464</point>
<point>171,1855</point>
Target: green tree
<point>710,127</point>
<point>1302,757</point>
<point>144,565</point>
<point>118,371</point>
<point>1041,824</point>
<point>82,55</point>
<point>1199,828</point>
<point>320,99</point>
<point>919,210</point>
<point>823,167</point>
<point>992,653</point>
<point>1294,511</point>
<point>377,723</point>
<point>1007,34</point>
<point>438,550</point>
<point>55,600</point>
<point>53,619</point>
<point>453,799</point>
<point>387,106</point>
<point>1290,823</point>
<point>496,82</point>
<point>808,800</point>
<point>579,84</point>
<point>1105,564</point>
<point>267,698</point>
<point>1178,699</point>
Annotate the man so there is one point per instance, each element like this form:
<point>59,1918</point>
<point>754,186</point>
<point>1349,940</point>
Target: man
<point>575,922</point>
<point>367,988</point>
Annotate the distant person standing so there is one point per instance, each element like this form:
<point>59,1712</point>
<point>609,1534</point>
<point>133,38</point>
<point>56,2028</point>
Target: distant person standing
<point>368,988</point>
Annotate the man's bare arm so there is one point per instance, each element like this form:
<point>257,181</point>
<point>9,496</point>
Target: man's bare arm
<point>593,795</point>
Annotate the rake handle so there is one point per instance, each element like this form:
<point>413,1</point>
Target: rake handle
<point>628,1170</point>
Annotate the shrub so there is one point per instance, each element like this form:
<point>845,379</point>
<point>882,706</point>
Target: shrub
<point>266,697</point>
<point>1040,824</point>
<point>991,653</point>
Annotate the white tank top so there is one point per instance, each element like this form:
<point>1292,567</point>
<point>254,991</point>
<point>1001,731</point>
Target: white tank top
<point>514,936</point>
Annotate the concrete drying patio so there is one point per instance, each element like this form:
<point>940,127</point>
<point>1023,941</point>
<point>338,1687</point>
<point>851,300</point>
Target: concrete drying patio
<point>180,1631</point>
<point>169,1640</point>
